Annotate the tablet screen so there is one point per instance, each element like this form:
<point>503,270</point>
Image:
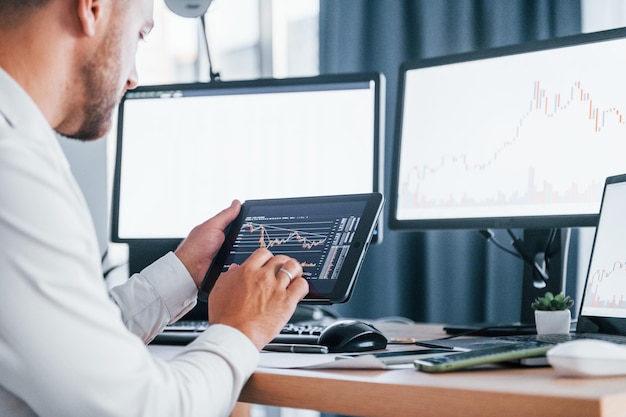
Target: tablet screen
<point>328,235</point>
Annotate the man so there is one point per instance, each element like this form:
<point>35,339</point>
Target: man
<point>67,348</point>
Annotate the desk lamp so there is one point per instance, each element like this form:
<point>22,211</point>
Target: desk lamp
<point>189,8</point>
<point>195,9</point>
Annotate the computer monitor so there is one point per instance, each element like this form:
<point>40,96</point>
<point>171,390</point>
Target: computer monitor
<point>184,152</point>
<point>513,137</point>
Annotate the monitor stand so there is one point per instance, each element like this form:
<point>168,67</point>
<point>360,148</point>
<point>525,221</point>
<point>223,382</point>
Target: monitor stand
<point>535,241</point>
<point>557,268</point>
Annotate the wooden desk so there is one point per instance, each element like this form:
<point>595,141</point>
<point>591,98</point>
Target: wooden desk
<point>494,391</point>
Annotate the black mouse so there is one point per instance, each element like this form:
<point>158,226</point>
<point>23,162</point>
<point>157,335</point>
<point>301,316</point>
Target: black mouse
<point>352,336</point>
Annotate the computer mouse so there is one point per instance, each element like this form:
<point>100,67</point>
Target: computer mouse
<point>588,357</point>
<point>352,336</point>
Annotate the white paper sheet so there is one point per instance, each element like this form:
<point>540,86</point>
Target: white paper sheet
<point>338,361</point>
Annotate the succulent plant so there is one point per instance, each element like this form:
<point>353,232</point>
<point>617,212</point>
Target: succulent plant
<point>551,302</point>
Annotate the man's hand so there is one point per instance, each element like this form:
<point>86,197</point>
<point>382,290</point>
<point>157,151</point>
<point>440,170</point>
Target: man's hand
<point>197,251</point>
<point>259,296</point>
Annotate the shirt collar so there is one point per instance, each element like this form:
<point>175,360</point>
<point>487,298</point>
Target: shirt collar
<point>19,111</point>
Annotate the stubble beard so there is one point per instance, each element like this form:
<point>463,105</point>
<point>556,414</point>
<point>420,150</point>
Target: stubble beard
<point>99,78</point>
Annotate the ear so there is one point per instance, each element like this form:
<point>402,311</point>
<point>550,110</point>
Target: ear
<point>89,12</point>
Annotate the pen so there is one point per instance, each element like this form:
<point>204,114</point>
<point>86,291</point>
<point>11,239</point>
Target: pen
<point>295,348</point>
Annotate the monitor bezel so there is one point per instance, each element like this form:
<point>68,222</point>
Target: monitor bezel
<point>526,222</point>
<point>219,87</point>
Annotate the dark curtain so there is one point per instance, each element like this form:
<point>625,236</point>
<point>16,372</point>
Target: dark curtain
<point>436,276</point>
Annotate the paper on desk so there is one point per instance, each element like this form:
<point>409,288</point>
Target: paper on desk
<point>308,360</point>
<point>332,361</point>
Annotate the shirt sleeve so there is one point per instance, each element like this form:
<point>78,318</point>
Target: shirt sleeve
<point>213,381</point>
<point>159,295</point>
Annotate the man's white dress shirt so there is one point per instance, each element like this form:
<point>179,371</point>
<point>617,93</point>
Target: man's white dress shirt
<point>67,346</point>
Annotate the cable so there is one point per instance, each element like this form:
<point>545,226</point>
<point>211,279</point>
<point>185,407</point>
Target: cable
<point>549,250</point>
<point>213,76</point>
<point>540,277</point>
<point>488,235</point>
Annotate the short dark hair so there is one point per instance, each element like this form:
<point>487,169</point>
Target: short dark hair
<point>21,5</point>
<point>13,11</point>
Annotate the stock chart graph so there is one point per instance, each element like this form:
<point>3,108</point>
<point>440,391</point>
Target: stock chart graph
<point>605,292</point>
<point>305,236</point>
<point>607,286</point>
<point>511,136</point>
<point>319,244</point>
<point>563,127</point>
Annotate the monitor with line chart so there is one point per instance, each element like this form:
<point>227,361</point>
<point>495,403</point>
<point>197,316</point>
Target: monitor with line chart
<point>514,137</point>
<point>605,294</point>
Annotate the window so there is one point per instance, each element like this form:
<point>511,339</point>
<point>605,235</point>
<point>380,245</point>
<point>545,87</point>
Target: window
<point>602,15</point>
<point>247,39</point>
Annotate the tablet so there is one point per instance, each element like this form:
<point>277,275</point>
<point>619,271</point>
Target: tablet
<point>328,235</point>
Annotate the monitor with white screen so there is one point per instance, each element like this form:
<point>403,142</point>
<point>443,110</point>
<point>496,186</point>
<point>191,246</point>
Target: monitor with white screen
<point>184,152</point>
<point>515,137</point>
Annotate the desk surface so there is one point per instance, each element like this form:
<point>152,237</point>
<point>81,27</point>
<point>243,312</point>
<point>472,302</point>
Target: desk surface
<point>493,391</point>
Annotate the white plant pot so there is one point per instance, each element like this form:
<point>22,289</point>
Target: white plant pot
<point>552,322</point>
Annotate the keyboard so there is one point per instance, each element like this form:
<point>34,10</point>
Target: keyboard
<point>185,331</point>
<point>188,326</point>
<point>566,337</point>
<point>299,333</point>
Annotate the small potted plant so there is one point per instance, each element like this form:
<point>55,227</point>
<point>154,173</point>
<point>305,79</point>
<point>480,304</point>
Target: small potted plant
<point>552,313</point>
